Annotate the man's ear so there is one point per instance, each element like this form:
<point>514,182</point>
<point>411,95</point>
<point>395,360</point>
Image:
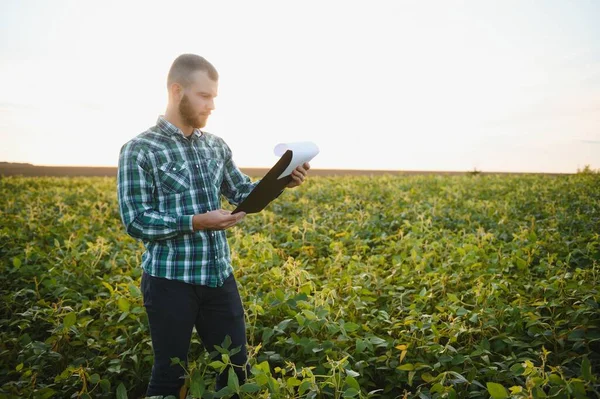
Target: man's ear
<point>176,91</point>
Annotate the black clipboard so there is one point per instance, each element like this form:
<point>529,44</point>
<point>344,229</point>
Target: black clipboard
<point>269,188</point>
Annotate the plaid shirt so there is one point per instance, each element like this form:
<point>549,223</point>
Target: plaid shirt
<point>164,179</point>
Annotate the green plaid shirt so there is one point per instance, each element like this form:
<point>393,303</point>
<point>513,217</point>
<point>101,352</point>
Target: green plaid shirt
<point>164,179</point>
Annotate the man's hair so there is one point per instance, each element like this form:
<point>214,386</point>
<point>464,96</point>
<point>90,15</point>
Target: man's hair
<point>185,65</point>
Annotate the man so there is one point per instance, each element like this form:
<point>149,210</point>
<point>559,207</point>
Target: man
<point>170,182</point>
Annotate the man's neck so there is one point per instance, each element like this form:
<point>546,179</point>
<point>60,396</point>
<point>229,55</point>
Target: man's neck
<point>175,119</point>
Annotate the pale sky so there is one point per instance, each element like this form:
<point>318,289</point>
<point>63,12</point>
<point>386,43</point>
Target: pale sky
<point>399,85</point>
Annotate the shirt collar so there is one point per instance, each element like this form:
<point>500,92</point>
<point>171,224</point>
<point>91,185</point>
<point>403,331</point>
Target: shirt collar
<point>172,130</point>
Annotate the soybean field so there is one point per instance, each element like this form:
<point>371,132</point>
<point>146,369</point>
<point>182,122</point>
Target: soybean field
<point>468,286</point>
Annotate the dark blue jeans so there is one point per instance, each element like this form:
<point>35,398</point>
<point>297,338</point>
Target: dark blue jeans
<point>173,309</point>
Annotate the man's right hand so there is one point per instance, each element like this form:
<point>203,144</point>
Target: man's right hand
<point>216,220</point>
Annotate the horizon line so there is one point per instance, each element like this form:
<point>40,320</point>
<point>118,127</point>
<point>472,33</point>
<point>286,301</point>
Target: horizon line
<point>320,171</point>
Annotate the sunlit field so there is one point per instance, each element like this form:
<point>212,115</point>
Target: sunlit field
<point>471,286</point>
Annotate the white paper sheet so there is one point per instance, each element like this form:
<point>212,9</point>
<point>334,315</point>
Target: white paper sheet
<point>303,151</point>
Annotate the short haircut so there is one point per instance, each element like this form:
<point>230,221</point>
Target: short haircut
<point>185,65</point>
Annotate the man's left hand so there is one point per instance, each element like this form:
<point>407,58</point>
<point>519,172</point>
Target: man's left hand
<point>299,175</point>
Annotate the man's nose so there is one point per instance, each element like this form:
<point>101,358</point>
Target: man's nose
<point>211,104</point>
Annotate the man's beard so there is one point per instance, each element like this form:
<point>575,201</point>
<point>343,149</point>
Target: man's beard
<point>188,115</point>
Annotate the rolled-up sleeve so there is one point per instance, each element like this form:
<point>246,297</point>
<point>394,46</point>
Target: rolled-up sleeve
<point>135,189</point>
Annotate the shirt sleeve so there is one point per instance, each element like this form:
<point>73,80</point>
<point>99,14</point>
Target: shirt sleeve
<point>236,185</point>
<point>135,188</point>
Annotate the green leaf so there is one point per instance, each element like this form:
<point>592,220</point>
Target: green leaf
<point>578,388</point>
<point>108,287</point>
<point>497,391</point>
<point>95,378</point>
<point>134,291</point>
<point>437,387</point>
<point>586,369</point>
<point>461,311</point>
<point>250,388</point>
<point>69,319</point>
<point>292,382</point>
<point>305,386</point>
<point>411,375</point>
<point>352,383</point>
<point>459,378</point>
<point>176,360</point>
<point>105,385</point>
<point>123,304</point>
<point>264,367</point>
<point>232,380</point>
<point>517,369</point>
<point>283,325</point>
<point>350,393</point>
<point>351,327</point>
<point>516,389</point>
<point>261,379</point>
<point>406,367</point>
<point>309,315</point>
<point>555,379</point>
<point>226,342</point>
<point>306,288</point>
<point>360,346</point>
<point>352,373</point>
<point>378,341</point>
<point>217,365</point>
<point>453,298</point>
<point>16,263</point>
<point>121,392</point>
<point>197,387</point>
<point>123,316</point>
<point>24,339</point>
<point>45,393</point>
<point>266,334</point>
<point>223,392</point>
